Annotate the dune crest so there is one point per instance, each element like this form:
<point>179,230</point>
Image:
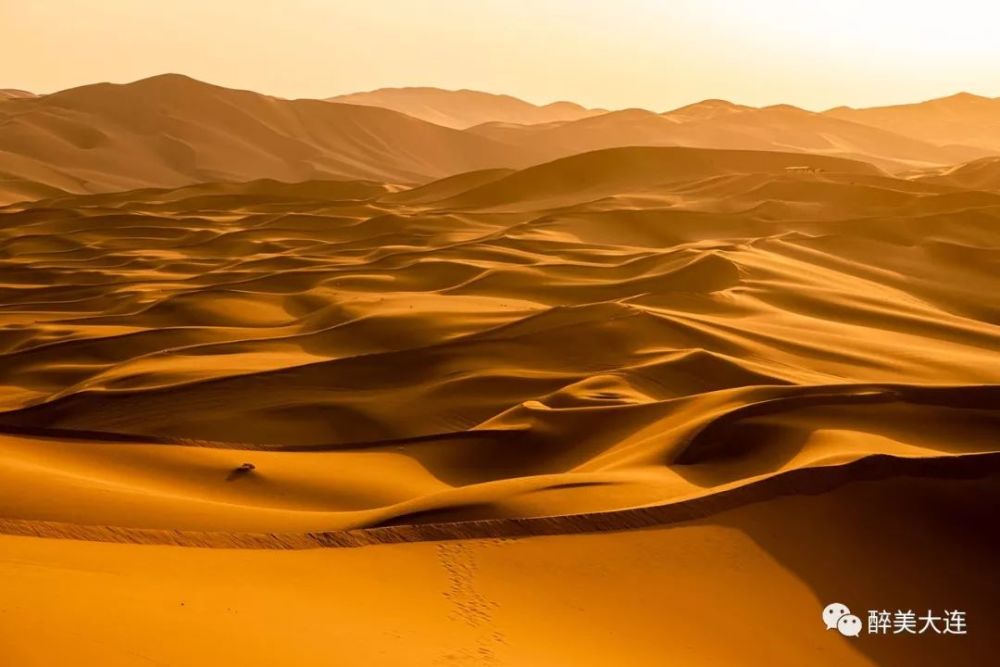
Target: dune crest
<point>623,329</point>
<point>461,109</point>
<point>720,124</point>
<point>14,93</point>
<point>171,130</point>
<point>425,377</point>
<point>962,119</point>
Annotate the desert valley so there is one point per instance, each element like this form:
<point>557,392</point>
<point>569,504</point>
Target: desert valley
<point>429,377</point>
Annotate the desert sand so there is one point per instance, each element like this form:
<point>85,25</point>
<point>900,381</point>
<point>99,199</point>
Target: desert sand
<point>169,131</point>
<point>462,109</point>
<point>638,405</point>
<point>742,587</point>
<point>962,119</point>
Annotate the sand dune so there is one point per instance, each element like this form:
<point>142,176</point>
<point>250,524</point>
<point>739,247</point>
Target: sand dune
<point>717,124</point>
<point>937,132</point>
<point>705,110</point>
<point>961,120</point>
<point>625,328</point>
<point>982,174</point>
<point>170,131</point>
<point>589,176</point>
<point>14,93</point>
<point>461,109</point>
<point>592,410</point>
<point>671,590</point>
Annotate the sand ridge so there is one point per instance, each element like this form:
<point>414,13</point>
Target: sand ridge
<point>581,599</point>
<point>462,109</point>
<point>300,382</point>
<point>170,130</point>
<point>623,329</point>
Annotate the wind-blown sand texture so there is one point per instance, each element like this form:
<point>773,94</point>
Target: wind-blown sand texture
<point>633,406</point>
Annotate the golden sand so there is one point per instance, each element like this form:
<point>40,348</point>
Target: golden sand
<point>640,405</point>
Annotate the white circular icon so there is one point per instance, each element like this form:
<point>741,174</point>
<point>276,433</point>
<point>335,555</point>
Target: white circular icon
<point>849,625</point>
<point>832,614</point>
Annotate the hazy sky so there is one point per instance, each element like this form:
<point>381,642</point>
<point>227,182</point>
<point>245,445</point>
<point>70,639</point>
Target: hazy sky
<point>657,54</point>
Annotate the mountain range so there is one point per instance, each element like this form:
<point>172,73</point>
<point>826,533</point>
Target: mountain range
<point>171,131</point>
<point>461,109</point>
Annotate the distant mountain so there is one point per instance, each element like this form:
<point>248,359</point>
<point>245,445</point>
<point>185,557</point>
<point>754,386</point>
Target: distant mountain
<point>461,109</point>
<point>962,119</point>
<point>170,130</point>
<point>704,110</point>
<point>14,93</point>
<point>720,124</point>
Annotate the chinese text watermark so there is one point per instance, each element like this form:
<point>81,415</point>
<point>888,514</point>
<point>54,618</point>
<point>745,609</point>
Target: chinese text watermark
<point>838,616</point>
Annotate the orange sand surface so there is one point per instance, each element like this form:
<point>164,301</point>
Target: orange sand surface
<point>742,587</point>
<point>638,406</point>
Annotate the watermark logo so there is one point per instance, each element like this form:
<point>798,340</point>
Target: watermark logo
<point>833,613</point>
<point>837,616</point>
<point>849,625</point>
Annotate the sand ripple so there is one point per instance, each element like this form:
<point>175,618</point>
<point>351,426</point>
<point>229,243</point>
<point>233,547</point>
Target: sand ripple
<point>600,335</point>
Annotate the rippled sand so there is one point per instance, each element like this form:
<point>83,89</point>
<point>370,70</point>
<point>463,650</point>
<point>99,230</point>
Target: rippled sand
<point>660,338</point>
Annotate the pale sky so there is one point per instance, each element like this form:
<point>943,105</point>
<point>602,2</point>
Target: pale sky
<point>657,54</point>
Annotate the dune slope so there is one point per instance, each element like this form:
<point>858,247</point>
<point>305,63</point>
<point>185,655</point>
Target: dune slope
<point>718,124</point>
<point>963,119</point>
<point>461,109</point>
<point>743,587</point>
<point>636,406</point>
<point>14,93</point>
<point>644,328</point>
<point>170,130</point>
